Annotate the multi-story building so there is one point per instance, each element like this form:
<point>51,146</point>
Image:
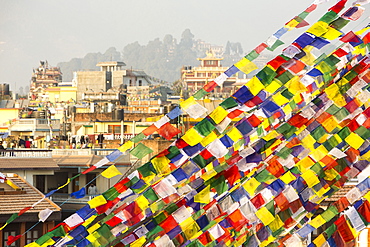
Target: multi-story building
<point>43,77</point>
<point>111,75</point>
<point>194,78</point>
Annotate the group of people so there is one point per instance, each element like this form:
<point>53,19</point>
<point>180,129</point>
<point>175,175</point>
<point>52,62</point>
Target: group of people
<point>80,141</point>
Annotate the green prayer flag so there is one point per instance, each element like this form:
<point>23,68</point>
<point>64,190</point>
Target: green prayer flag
<point>58,232</point>
<point>339,23</point>
<point>200,94</point>
<point>284,152</point>
<point>318,132</point>
<point>111,193</point>
<point>252,55</point>
<point>44,238</point>
<point>147,170</point>
<point>330,213</point>
<point>138,138</point>
<point>329,17</point>
<point>104,230</point>
<point>140,151</point>
<point>204,127</point>
<point>330,230</point>
<point>150,195</point>
<point>173,152</point>
<point>285,77</point>
<point>264,176</point>
<point>229,103</point>
<point>275,45</point>
<point>266,75</point>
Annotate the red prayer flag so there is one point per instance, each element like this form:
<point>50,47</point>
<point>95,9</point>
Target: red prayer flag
<point>12,239</point>
<point>168,131</point>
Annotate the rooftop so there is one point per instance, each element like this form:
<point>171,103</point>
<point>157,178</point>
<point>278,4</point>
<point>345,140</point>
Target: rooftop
<point>10,204</point>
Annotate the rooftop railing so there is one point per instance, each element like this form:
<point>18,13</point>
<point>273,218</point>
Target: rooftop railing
<point>25,153</point>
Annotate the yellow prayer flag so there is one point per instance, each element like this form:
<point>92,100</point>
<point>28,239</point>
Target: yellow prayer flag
<point>310,177</point>
<point>331,34</point>
<point>187,103</point>
<point>360,32</point>
<point>208,139</point>
<point>305,163</point>
<point>192,137</point>
<point>354,140</point>
<point>320,240</point>
<point>210,172</point>
<point>287,177</point>
<point>192,230</point>
<point>317,221</point>
<point>265,216</point>
<point>245,65</point>
<point>295,86</point>
<point>138,242</point>
<point>367,196</point>
<point>97,201</point>
<point>251,185</point>
<point>280,99</point>
<point>309,58</point>
<point>318,28</point>
<point>142,202</point>
<point>203,196</point>
<point>330,124</point>
<point>276,224</point>
<point>287,109</point>
<point>291,24</point>
<point>33,244</point>
<point>91,238</point>
<point>111,172</point>
<point>218,114</point>
<point>161,165</point>
<point>271,135</point>
<point>89,220</point>
<point>234,134</point>
<point>254,85</point>
<point>319,153</point>
<point>308,142</point>
<point>126,146</point>
<point>273,86</point>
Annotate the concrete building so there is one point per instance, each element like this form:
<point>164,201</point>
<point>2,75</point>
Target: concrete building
<point>111,75</point>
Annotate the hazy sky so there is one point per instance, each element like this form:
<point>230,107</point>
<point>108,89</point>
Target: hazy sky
<point>59,30</point>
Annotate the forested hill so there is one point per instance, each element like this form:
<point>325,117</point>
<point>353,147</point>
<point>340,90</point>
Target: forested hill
<point>162,59</point>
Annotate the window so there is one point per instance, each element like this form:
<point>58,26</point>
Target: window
<point>114,129</point>
<point>32,236</point>
<point>140,83</point>
<point>6,235</point>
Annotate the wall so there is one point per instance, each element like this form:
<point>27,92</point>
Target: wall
<point>7,114</point>
<point>94,80</point>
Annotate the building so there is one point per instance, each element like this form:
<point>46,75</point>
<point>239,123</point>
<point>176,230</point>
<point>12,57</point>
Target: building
<point>42,78</point>
<point>194,78</point>
<point>112,76</point>
<point>16,194</point>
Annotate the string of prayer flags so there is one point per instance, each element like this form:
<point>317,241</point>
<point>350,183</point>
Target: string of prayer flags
<point>249,181</point>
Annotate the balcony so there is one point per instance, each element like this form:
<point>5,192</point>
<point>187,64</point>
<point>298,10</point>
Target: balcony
<point>32,125</point>
<point>25,153</point>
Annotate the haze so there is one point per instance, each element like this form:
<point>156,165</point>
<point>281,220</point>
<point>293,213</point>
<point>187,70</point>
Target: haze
<point>58,31</point>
